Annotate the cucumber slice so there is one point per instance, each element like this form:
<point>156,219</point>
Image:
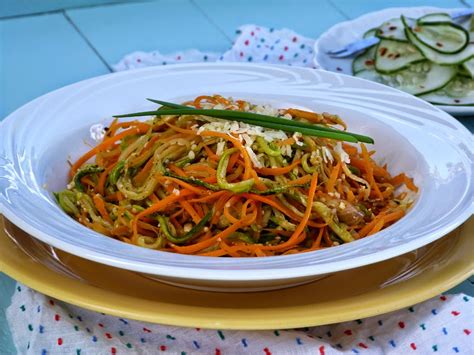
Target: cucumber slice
<point>462,71</point>
<point>468,67</point>
<point>364,61</point>
<point>417,79</point>
<point>458,92</point>
<point>370,33</point>
<point>434,55</point>
<point>459,87</point>
<point>392,56</point>
<point>435,17</point>
<point>392,29</point>
<point>442,37</point>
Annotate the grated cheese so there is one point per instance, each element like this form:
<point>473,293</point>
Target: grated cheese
<point>97,132</point>
<point>342,154</point>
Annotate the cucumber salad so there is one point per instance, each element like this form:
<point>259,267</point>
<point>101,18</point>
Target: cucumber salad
<point>431,57</point>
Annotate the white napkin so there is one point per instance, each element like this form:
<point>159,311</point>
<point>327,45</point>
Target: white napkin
<point>253,44</point>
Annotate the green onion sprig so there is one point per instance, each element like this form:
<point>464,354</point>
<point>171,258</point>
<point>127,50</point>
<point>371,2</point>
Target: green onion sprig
<point>266,121</point>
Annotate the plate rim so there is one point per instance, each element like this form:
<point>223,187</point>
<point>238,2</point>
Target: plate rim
<point>224,275</point>
<point>375,302</point>
<point>459,110</point>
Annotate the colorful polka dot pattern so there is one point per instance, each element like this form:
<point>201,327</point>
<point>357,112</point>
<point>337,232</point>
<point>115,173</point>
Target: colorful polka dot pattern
<point>267,45</point>
<point>42,325</point>
<point>253,43</point>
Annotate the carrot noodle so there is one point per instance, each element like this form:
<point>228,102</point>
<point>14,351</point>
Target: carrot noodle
<point>181,130</point>
<point>103,146</point>
<point>333,177</point>
<point>403,179</point>
<point>278,171</point>
<point>370,171</point>
<point>173,185</point>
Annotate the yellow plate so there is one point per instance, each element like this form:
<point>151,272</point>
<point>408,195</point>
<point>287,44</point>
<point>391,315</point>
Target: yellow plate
<point>343,296</point>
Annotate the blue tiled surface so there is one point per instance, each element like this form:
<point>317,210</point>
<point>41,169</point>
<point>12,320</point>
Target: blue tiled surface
<point>16,8</point>
<point>308,17</point>
<point>166,25</point>
<point>40,54</point>
<point>46,44</point>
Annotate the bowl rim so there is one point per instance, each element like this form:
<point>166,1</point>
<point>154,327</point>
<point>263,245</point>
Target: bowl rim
<point>228,274</point>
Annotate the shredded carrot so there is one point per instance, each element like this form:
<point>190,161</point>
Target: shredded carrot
<point>201,168</point>
<point>100,205</point>
<point>378,171</point>
<point>394,216</point>
<point>227,214</point>
<point>368,227</point>
<point>349,149</point>
<point>370,170</point>
<point>288,141</point>
<point>157,207</point>
<point>403,179</point>
<point>299,229</point>
<point>210,153</point>
<point>210,197</point>
<point>278,171</point>
<point>258,183</point>
<point>378,226</point>
<point>154,198</point>
<point>190,187</point>
<point>300,181</point>
<point>142,126</point>
<point>317,241</point>
<point>237,144</point>
<point>219,205</point>
<point>208,242</point>
<point>176,170</point>
<point>181,130</point>
<point>199,210</point>
<point>269,201</point>
<point>140,178</point>
<point>350,196</point>
<point>104,145</point>
<point>197,100</point>
<point>221,100</point>
<point>192,212</point>
<point>232,161</point>
<point>241,105</point>
<point>310,116</point>
<point>86,180</point>
<point>103,178</point>
<point>122,230</point>
<point>333,177</point>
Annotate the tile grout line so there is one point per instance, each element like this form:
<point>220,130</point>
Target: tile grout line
<point>211,21</point>
<point>341,12</point>
<point>11,17</point>
<point>58,11</point>
<point>89,44</point>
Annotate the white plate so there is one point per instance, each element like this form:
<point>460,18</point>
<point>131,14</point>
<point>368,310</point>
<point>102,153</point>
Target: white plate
<point>411,136</point>
<point>349,31</point>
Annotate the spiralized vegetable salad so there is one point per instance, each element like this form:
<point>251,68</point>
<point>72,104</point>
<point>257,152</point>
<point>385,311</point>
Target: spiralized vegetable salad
<point>201,185</point>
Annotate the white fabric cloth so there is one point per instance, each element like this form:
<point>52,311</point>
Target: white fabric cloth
<point>41,325</point>
<point>253,44</point>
